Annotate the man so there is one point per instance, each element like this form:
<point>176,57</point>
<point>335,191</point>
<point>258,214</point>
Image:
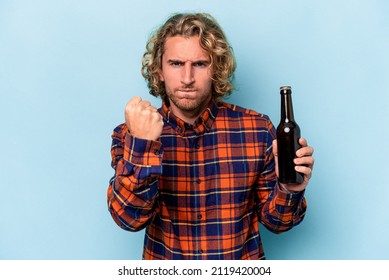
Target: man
<point>199,174</point>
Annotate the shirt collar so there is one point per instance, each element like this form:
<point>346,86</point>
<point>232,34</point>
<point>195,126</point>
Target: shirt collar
<point>202,124</point>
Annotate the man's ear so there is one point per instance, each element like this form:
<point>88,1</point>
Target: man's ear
<point>161,75</point>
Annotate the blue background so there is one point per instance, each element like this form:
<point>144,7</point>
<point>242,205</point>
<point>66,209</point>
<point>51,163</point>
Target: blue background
<point>67,69</point>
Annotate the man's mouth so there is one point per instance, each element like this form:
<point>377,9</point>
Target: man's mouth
<point>186,93</point>
<point>187,90</point>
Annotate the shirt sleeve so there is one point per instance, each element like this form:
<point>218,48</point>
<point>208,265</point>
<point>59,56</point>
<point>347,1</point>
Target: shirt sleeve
<point>279,210</point>
<point>133,190</point>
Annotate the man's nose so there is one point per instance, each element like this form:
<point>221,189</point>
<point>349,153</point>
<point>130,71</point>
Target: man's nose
<point>188,74</point>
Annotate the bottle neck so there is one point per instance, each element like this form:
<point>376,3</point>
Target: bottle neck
<point>286,106</point>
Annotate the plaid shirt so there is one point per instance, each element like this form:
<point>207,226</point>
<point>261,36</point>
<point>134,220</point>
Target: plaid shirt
<point>201,190</point>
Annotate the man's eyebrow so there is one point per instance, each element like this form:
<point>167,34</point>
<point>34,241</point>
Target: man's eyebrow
<point>200,60</point>
<point>174,60</point>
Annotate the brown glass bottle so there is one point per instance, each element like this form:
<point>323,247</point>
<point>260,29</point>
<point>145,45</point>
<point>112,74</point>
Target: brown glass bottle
<point>288,135</point>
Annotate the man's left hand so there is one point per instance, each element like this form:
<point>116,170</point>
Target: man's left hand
<point>304,164</point>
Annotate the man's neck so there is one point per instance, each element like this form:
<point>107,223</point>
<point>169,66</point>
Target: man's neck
<point>189,116</point>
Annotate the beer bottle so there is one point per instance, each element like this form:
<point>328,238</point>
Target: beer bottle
<point>288,135</point>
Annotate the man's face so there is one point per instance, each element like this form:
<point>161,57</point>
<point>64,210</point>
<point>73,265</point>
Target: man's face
<point>187,75</point>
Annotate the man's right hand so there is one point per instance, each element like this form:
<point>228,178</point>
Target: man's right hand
<point>143,120</point>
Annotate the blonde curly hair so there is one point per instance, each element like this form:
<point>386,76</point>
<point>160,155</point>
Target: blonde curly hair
<point>212,40</point>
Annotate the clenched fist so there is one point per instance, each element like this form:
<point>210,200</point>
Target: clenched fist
<point>142,119</point>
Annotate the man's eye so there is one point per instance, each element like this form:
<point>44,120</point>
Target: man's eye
<point>176,63</point>
<point>200,64</point>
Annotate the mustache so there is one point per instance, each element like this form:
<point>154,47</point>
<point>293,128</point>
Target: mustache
<point>187,88</point>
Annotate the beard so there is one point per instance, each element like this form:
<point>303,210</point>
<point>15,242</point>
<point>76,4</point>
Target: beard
<point>192,103</point>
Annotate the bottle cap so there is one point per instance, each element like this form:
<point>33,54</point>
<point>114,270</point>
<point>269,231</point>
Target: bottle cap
<point>286,88</point>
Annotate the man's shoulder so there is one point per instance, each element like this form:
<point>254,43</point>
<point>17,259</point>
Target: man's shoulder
<point>243,119</point>
<point>237,111</point>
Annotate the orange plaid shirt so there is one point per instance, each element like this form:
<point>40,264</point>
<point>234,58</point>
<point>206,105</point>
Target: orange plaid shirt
<point>201,190</point>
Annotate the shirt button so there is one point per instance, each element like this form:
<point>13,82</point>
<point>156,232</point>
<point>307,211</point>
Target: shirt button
<point>199,216</point>
<point>197,146</point>
<point>198,181</point>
